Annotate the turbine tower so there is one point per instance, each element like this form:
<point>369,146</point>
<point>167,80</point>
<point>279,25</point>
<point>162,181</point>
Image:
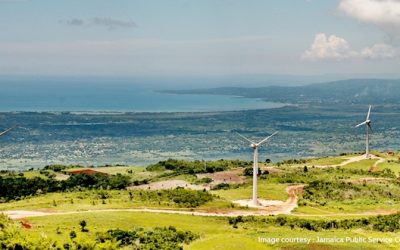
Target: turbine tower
<point>255,146</point>
<point>367,124</point>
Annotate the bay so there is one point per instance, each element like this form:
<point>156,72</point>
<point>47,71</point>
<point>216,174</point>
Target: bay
<point>109,96</point>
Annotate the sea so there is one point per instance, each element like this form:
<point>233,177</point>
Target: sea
<point>119,98</point>
<point>95,122</point>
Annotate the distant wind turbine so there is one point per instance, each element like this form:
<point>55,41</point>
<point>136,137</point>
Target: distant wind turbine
<point>255,146</point>
<point>367,123</point>
<point>6,131</point>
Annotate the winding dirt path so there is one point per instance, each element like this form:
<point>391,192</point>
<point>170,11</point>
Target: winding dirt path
<point>360,158</point>
<point>286,207</point>
<point>294,192</point>
<point>20,214</point>
<point>283,208</point>
<point>355,159</point>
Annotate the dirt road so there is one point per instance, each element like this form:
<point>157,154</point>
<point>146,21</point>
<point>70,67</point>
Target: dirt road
<point>355,159</point>
<point>286,207</point>
<point>283,208</point>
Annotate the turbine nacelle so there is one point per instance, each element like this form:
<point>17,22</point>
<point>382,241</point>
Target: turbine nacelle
<point>367,120</point>
<point>256,145</point>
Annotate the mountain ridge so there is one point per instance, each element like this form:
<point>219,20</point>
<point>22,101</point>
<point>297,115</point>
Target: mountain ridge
<point>358,91</point>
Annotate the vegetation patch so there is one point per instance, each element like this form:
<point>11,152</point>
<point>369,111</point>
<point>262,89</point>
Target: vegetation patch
<point>321,191</point>
<point>180,196</point>
<point>307,175</point>
<point>13,237</point>
<point>17,187</point>
<point>382,223</point>
<point>197,167</point>
<point>158,238</point>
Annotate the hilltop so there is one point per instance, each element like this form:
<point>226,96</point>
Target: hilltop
<point>192,204</point>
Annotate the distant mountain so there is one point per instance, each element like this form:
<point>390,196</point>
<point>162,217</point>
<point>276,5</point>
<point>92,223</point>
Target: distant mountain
<point>359,91</point>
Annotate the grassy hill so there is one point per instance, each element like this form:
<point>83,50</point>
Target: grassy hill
<point>347,197</point>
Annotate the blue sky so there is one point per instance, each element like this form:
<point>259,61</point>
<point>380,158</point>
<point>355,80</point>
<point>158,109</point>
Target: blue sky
<point>199,37</point>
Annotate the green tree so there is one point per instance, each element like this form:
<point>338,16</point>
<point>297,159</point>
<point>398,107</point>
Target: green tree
<point>83,225</point>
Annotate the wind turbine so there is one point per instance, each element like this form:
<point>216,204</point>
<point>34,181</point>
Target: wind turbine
<point>6,131</point>
<point>367,123</point>
<point>255,146</point>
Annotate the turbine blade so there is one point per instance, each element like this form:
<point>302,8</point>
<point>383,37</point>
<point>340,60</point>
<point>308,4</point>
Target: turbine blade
<point>266,139</point>
<point>245,138</point>
<point>6,131</point>
<point>361,124</point>
<point>369,112</point>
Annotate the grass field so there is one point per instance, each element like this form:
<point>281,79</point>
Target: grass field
<point>364,164</point>
<point>215,233</point>
<point>330,160</point>
<point>351,198</point>
<point>94,199</point>
<point>394,166</point>
<point>342,209</point>
<point>266,190</point>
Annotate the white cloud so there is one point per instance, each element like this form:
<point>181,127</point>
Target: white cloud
<point>382,13</point>
<point>109,23</point>
<point>373,11</point>
<point>328,48</point>
<point>379,51</point>
<point>334,48</point>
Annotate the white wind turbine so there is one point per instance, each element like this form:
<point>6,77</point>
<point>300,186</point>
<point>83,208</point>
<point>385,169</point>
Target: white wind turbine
<point>255,146</point>
<point>6,131</point>
<point>367,123</point>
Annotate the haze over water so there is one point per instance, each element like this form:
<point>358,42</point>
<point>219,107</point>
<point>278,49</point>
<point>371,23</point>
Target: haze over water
<point>115,97</point>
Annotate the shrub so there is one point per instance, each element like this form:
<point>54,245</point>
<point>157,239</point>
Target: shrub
<point>206,180</point>
<point>249,171</point>
<point>195,167</point>
<point>220,186</point>
<point>158,238</point>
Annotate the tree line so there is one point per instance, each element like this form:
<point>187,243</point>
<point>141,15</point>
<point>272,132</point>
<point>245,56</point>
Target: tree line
<point>381,223</point>
<point>196,167</point>
<point>17,187</point>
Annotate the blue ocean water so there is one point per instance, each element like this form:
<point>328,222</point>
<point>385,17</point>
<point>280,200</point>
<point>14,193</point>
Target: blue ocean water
<point>135,127</point>
<point>109,96</point>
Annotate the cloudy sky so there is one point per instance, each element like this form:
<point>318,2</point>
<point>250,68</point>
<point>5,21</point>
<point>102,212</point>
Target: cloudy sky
<point>199,37</point>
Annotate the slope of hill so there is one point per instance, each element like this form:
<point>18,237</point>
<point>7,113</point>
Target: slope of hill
<point>360,91</point>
